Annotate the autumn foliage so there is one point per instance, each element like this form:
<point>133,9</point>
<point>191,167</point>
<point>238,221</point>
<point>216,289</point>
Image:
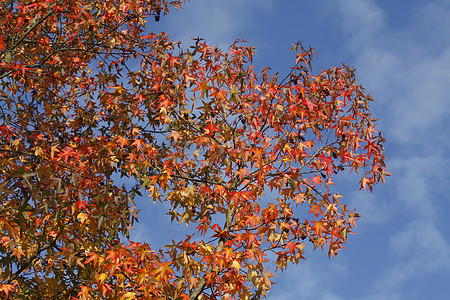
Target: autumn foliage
<point>90,96</point>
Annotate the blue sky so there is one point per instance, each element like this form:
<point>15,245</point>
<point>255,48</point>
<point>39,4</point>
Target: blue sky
<point>401,50</point>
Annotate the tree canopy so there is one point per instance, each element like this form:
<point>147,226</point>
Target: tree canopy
<point>90,95</point>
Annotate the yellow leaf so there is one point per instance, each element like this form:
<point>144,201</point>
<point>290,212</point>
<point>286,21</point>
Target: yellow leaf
<point>16,142</point>
<point>82,217</point>
<point>53,149</point>
<point>236,265</point>
<point>38,151</point>
<point>267,281</point>
<point>102,278</point>
<point>128,296</point>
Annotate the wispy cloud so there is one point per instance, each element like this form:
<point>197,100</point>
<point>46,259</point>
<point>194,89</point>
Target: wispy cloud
<point>419,250</point>
<point>363,18</point>
<point>372,209</point>
<point>416,180</point>
<point>312,280</point>
<point>219,22</point>
<point>407,68</point>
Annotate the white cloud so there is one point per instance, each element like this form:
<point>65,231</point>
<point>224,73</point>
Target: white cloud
<point>408,69</point>
<point>384,295</point>
<point>434,29</point>
<point>312,279</point>
<point>363,18</point>
<point>219,22</point>
<point>419,250</point>
<point>422,241</point>
<point>416,245</point>
<point>407,66</point>
<point>415,181</point>
<point>372,208</point>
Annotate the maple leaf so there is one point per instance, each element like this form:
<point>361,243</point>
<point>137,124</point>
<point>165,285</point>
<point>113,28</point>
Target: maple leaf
<point>128,296</point>
<point>211,128</point>
<point>122,141</point>
<point>316,180</point>
<point>352,218</point>
<point>82,217</point>
<point>175,135</point>
<point>242,172</point>
<point>18,252</point>
<point>7,288</point>
<point>267,281</point>
<point>137,143</point>
<point>316,210</point>
<point>163,271</point>
<point>84,292</point>
<point>366,182</point>
<point>382,173</point>
<point>252,220</point>
<point>291,246</point>
<point>319,228</point>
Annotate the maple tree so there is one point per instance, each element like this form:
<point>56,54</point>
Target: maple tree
<point>89,95</point>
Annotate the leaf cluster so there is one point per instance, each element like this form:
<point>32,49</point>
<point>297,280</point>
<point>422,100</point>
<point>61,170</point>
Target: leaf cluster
<point>94,109</point>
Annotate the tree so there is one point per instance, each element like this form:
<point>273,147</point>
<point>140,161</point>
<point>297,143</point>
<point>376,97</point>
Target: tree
<point>90,95</point>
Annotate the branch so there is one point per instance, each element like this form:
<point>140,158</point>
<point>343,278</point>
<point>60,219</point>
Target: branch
<point>32,258</point>
<point>198,180</point>
<point>195,293</point>
<point>33,24</point>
